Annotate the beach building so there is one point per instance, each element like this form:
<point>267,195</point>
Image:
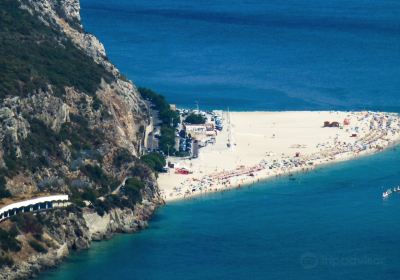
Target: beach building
<point>195,128</point>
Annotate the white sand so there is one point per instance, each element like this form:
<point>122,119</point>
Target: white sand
<point>265,145</point>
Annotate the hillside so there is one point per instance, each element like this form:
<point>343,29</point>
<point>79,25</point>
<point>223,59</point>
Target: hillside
<point>71,124</point>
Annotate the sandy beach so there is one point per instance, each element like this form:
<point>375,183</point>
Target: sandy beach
<point>270,144</point>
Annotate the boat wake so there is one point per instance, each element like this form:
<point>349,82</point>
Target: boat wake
<point>389,192</point>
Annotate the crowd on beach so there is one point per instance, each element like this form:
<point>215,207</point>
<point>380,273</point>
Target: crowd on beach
<point>370,132</point>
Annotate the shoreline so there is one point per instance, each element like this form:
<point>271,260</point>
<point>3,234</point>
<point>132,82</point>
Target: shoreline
<point>282,175</point>
<point>246,175</point>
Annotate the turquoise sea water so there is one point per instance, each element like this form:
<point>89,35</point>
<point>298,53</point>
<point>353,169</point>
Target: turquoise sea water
<point>327,224</point>
<point>261,55</point>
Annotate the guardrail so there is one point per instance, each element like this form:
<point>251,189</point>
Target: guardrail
<point>33,205</point>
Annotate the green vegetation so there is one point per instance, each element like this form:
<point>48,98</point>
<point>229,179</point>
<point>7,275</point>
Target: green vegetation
<point>41,146</point>
<point>36,149</point>
<point>8,241</point>
<point>166,143</point>
<point>6,261</point>
<point>97,175</point>
<point>33,55</point>
<point>89,194</point>
<point>132,188</point>
<point>195,119</point>
<point>166,115</point>
<point>37,246</point>
<point>28,223</point>
<point>155,161</point>
<point>80,135</point>
<point>140,170</point>
<point>169,118</point>
<point>3,191</point>
<point>96,103</point>
<point>123,156</point>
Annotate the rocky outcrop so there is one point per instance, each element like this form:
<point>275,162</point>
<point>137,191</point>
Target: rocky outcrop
<point>65,15</point>
<point>118,220</point>
<point>120,97</point>
<point>66,140</point>
<point>68,230</point>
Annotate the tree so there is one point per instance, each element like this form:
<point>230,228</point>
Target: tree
<point>155,161</point>
<point>195,119</point>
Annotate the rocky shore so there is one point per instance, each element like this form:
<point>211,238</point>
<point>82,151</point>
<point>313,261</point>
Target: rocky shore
<point>76,231</point>
<point>74,135</point>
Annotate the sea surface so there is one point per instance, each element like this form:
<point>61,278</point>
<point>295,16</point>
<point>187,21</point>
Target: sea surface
<point>256,54</point>
<point>261,55</point>
<point>328,224</point>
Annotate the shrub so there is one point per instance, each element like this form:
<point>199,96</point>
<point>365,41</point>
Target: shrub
<point>90,195</point>
<point>37,148</point>
<point>123,156</point>
<point>37,246</point>
<point>155,161</point>
<point>140,171</point>
<point>132,189</point>
<point>28,223</point>
<point>6,261</point>
<point>8,241</point>
<point>3,191</point>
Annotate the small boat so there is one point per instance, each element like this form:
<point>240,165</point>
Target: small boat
<point>387,193</point>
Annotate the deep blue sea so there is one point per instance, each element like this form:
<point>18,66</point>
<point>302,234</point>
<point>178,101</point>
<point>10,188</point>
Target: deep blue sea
<point>256,54</point>
<point>261,55</point>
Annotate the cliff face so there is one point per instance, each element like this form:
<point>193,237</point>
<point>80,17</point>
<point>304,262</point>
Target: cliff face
<point>70,123</point>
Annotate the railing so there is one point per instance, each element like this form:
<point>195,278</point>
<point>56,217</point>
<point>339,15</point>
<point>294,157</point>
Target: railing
<point>33,205</point>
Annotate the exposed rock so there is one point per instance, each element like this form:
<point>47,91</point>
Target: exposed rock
<point>13,126</point>
<point>47,108</point>
<point>76,231</point>
<point>114,115</point>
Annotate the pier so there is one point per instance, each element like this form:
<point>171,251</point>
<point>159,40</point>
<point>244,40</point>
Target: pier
<point>33,205</point>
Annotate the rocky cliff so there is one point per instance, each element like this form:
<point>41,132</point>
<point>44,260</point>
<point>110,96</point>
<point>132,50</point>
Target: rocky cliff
<point>70,123</point>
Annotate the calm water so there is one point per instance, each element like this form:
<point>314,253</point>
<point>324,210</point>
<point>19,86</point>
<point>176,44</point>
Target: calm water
<point>328,224</point>
<point>258,55</point>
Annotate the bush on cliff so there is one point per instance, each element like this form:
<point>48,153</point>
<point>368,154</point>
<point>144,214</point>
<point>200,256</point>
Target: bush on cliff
<point>99,177</point>
<point>132,189</point>
<point>3,191</point>
<point>6,261</point>
<point>155,161</point>
<point>37,246</point>
<point>123,156</point>
<point>8,241</point>
<point>28,223</point>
